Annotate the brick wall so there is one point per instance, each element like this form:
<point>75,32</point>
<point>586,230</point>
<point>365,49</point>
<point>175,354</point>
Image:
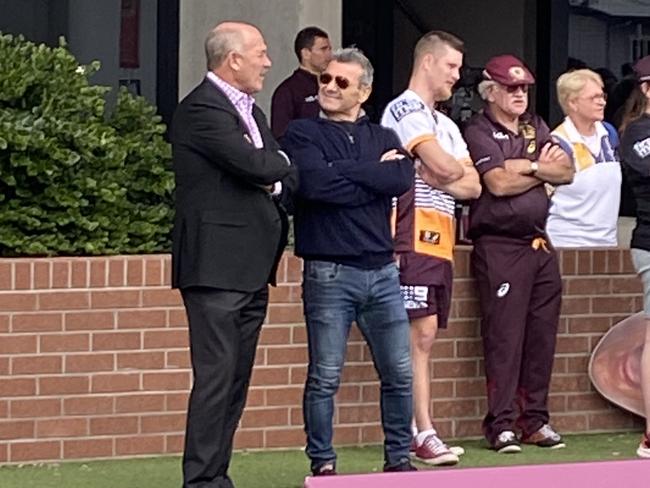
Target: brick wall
<point>94,361</point>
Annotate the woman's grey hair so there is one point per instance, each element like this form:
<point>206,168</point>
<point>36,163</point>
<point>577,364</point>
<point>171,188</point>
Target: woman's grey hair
<point>219,42</point>
<point>485,87</point>
<point>355,55</point>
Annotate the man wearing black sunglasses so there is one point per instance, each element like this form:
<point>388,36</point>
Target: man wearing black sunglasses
<point>350,170</point>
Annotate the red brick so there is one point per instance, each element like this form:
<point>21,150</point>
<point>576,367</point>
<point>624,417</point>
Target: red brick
<point>270,376</point>
<point>611,420</point>
<point>614,261</point>
<point>347,394</point>
<point>138,319</point>
<point>141,360</point>
<point>174,443</point>
<point>455,408</point>
<point>468,428</point>
<point>557,403</point>
<point>63,300</point>
<point>16,429</point>
<point>586,402</point>
<point>116,341</point>
<point>61,274</point>
<point>62,428</point>
<point>280,294</point>
<point>88,405</point>
<point>298,334</point>
<point>22,275</point>
<point>115,299</point>
<point>614,304</point>
<point>139,445</point>
<point>570,383</point>
<point>178,359</point>
<point>10,302</point>
<point>455,369</point>
<point>166,381</point>
<point>114,425</point>
<point>14,387</point>
<point>140,403</point>
<point>166,339</point>
<point>151,424</point>
<point>584,263</point>
<point>627,285</point>
<point>354,373</point>
<point>466,349</point>
<point>346,436</point>
<point>371,434</point>
<point>291,395</point>
<point>5,276</point>
<point>89,320</point>
<point>42,275</point>
<point>161,298</point>
<point>134,272</point>
<point>79,274</point>
<point>589,323</point>
<point>4,366</point>
<point>575,305</point>
<point>177,402</point>
<point>5,320</point>
<point>64,342</point>
<point>289,437</point>
<point>294,269</point>
<point>4,453</point>
<point>249,439</point>
<point>572,344</point>
<point>599,261</point>
<point>36,365</point>
<point>17,344</point>
<point>176,318</point>
<point>359,414</point>
<point>467,308</point>
<point>63,385</point>
<point>286,355</point>
<point>466,388</point>
<point>275,335</point>
<point>577,364</point>
<point>116,272</point>
<point>98,272</point>
<point>167,271</point>
<point>298,374</point>
<point>37,322</point>
<point>34,451</point>
<point>588,286</point>
<point>265,417</point>
<point>153,272</point>
<point>89,363</point>
<point>461,262</point>
<point>103,383</point>
<point>87,448</point>
<point>285,314</point>
<point>568,260</point>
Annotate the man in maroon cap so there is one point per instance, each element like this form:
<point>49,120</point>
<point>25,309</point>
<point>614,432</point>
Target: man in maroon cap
<point>516,269</point>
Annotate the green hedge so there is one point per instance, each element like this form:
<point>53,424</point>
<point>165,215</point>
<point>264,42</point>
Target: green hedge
<point>75,179</point>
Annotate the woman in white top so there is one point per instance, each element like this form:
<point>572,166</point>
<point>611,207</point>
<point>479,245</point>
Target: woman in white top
<point>585,213</point>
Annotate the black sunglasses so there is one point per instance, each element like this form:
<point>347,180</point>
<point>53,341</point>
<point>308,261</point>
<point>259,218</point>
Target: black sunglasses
<point>516,88</point>
<point>341,82</point>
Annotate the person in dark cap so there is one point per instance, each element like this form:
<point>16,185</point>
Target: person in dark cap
<point>635,154</point>
<point>516,269</point>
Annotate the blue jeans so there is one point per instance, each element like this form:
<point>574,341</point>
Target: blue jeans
<point>334,296</point>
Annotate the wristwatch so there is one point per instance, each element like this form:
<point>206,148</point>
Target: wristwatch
<point>534,166</point>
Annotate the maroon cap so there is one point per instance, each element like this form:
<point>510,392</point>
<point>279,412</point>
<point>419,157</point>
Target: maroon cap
<point>642,68</point>
<point>508,70</point>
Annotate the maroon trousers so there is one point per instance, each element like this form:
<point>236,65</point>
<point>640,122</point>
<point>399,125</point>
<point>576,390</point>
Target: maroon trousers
<point>520,295</point>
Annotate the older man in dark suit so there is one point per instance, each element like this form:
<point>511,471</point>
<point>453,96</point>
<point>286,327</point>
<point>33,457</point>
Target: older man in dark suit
<point>229,233</point>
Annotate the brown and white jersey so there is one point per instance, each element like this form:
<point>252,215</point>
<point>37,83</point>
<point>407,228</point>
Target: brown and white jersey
<point>424,216</point>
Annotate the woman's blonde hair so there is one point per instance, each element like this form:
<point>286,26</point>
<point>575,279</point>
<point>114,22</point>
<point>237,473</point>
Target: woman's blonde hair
<point>572,82</point>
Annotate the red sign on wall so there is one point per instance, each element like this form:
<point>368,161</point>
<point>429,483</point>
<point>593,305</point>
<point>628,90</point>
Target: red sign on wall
<point>129,34</point>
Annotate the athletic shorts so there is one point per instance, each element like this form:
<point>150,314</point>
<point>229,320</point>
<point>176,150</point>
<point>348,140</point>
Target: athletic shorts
<point>426,285</point>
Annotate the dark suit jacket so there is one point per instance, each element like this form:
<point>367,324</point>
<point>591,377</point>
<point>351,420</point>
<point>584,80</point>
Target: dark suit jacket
<point>229,232</point>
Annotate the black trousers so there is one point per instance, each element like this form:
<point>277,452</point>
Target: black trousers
<point>224,329</point>
<point>520,293</point>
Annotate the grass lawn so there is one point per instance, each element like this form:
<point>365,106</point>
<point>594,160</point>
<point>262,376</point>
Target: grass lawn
<point>287,469</point>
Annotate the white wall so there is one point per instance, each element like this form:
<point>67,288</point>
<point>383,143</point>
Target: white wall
<point>278,20</point>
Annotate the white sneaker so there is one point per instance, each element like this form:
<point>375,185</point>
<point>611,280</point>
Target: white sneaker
<point>507,443</point>
<point>434,451</point>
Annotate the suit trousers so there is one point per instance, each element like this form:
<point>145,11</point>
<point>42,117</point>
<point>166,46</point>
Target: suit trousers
<point>224,328</point>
